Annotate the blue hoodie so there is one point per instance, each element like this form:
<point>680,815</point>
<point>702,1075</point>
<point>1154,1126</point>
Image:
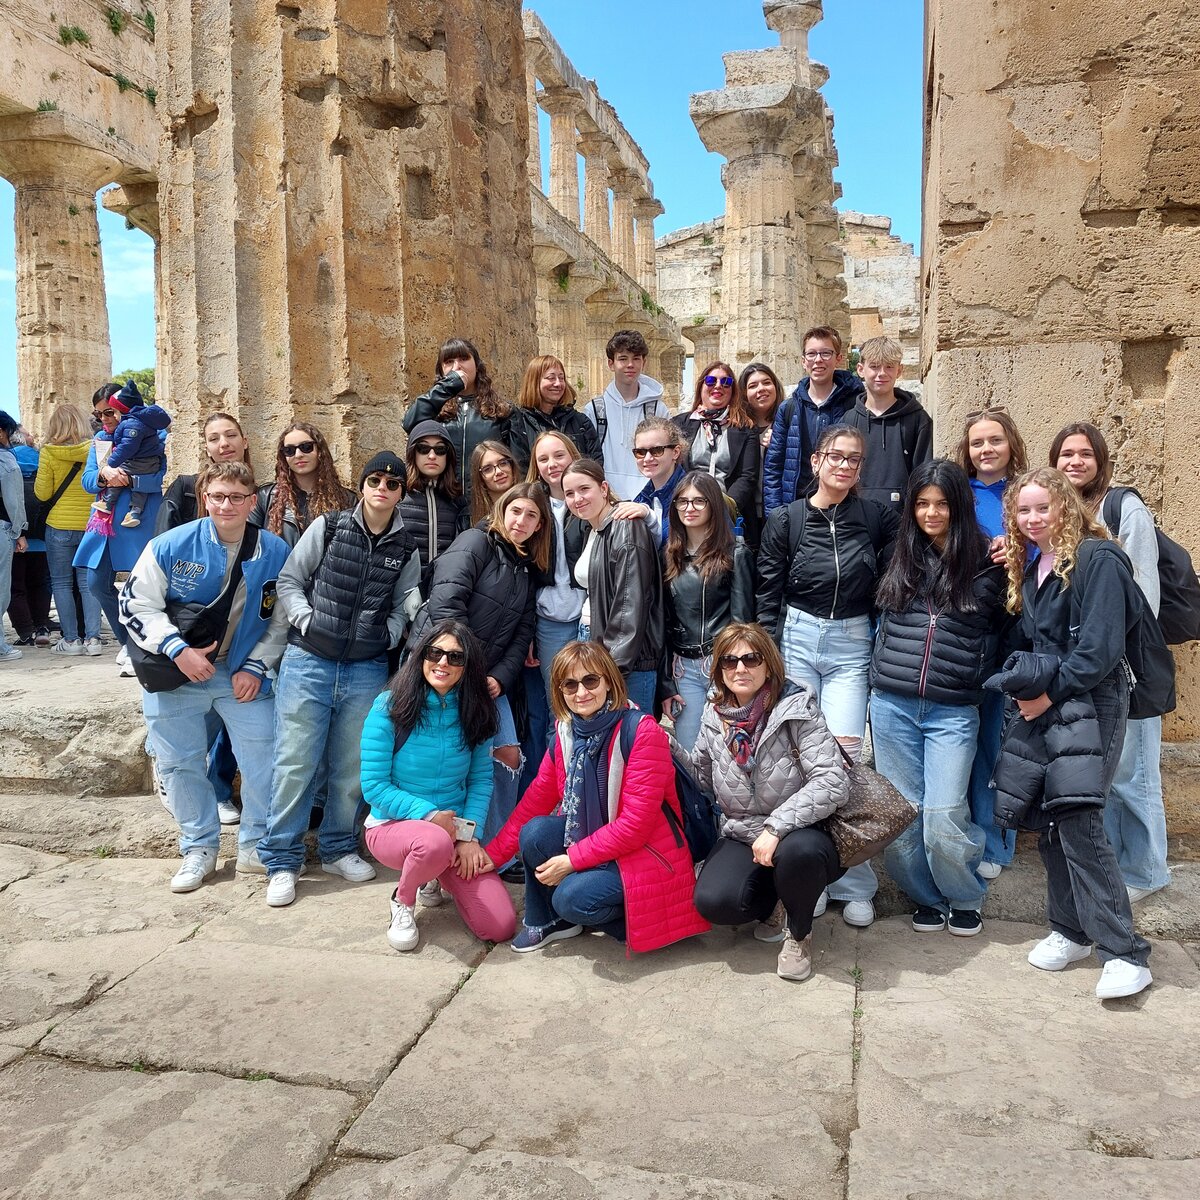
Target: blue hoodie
<point>989,505</point>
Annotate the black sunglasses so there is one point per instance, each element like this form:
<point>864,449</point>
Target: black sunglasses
<point>650,451</point>
<point>392,485</point>
<point>440,449</point>
<point>729,662</point>
<point>299,448</point>
<point>435,654</point>
<point>589,683</point>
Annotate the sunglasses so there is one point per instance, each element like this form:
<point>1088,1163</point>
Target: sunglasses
<point>589,683</point>
<point>505,464</point>
<point>714,380</point>
<point>731,662</point>
<point>650,451</point>
<point>392,485</point>
<point>440,449</point>
<point>687,502</point>
<point>299,448</point>
<point>435,654</point>
<point>106,412</point>
<point>976,413</point>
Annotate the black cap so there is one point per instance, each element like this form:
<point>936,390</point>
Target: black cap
<point>384,463</point>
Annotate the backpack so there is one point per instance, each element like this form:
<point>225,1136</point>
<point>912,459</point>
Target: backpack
<point>600,413</point>
<point>1179,589</point>
<point>36,511</point>
<point>1151,664</point>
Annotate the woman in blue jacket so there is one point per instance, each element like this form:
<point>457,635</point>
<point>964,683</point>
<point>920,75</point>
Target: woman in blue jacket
<point>427,777</point>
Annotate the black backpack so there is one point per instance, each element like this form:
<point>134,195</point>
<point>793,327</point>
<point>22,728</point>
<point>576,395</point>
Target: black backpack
<point>1151,663</point>
<point>36,511</point>
<point>1179,589</point>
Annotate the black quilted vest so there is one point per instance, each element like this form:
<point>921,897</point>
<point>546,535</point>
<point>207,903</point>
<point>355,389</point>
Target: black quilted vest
<point>351,591</point>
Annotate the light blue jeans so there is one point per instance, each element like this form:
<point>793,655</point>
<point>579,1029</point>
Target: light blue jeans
<point>1000,844</point>
<point>833,658</point>
<point>178,726</point>
<point>926,750</point>
<point>691,678</point>
<point>320,707</point>
<point>1134,821</point>
<point>6,556</point>
<point>61,545</point>
<point>552,636</point>
<point>504,779</point>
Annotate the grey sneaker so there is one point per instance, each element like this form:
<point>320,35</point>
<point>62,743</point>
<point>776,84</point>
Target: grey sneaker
<point>248,862</point>
<point>431,895</point>
<point>92,646</point>
<point>9,653</point>
<point>72,649</point>
<point>795,959</point>
<point>774,928</point>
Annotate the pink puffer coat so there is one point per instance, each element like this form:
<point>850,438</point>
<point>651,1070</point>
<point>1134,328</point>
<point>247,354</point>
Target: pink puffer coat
<point>657,874</point>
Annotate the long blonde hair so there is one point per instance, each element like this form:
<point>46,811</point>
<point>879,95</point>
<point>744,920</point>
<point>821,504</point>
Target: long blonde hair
<point>1074,523</point>
<point>68,426</point>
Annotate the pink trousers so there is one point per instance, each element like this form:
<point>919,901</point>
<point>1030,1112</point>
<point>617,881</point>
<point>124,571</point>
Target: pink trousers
<point>422,851</point>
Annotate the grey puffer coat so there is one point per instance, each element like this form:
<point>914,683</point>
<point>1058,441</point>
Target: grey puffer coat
<point>798,777</point>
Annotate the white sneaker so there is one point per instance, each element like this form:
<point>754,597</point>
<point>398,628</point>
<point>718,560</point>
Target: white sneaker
<point>228,813</point>
<point>1121,978</point>
<point>821,905</point>
<point>431,895</point>
<point>160,788</point>
<point>987,870</point>
<point>350,867</point>
<point>774,928</point>
<point>73,649</point>
<point>859,913</point>
<point>124,666</point>
<point>123,657</point>
<point>248,862</point>
<point>92,646</point>
<point>402,932</point>
<point>1055,952</point>
<point>9,653</point>
<point>281,889</point>
<point>197,866</point>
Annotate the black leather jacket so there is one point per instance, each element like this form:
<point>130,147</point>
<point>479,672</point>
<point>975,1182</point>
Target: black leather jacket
<point>697,610</point>
<point>625,595</point>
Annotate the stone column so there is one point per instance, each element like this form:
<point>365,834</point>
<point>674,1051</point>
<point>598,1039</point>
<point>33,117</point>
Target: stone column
<point>706,341</point>
<point>63,351</point>
<point>792,20</point>
<point>596,148</point>
<point>647,266</point>
<point>534,161</point>
<point>564,106</point>
<point>623,244</point>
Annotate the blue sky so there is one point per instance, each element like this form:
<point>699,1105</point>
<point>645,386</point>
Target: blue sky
<point>647,58</point>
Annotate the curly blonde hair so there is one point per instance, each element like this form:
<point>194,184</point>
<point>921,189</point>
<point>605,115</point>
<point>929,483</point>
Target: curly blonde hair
<point>1072,523</point>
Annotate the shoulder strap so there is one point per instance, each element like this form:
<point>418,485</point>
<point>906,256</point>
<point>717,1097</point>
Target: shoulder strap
<point>62,487</point>
<point>598,410</point>
<point>796,536</point>
<point>1110,507</point>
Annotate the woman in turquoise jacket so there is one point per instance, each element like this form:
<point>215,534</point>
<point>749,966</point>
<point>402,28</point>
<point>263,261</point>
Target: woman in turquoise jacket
<point>427,777</point>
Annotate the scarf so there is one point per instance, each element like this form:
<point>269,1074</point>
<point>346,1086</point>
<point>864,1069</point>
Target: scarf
<point>713,422</point>
<point>742,728</point>
<point>585,797</point>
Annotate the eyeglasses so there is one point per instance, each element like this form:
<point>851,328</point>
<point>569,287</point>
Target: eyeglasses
<point>977,413</point>
<point>650,451</point>
<point>730,662</point>
<point>435,654</point>
<point>505,464</point>
<point>299,448</point>
<point>438,448</point>
<point>589,683</point>
<point>842,460</point>
<point>722,380</point>
<point>684,502</point>
<point>217,499</point>
<point>823,355</point>
<point>373,481</point>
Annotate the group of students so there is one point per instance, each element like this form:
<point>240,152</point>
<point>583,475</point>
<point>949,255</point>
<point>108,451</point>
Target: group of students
<point>762,572</point>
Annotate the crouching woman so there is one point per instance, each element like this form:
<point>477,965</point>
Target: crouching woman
<point>592,829</point>
<point>767,756</point>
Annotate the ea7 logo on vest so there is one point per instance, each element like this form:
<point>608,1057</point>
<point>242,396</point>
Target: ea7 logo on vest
<point>393,564</point>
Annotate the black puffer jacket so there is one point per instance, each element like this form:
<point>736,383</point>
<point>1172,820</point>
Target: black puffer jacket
<point>426,510</point>
<point>941,655</point>
<point>483,581</point>
<point>625,595</point>
<point>823,561</point>
<point>526,424</point>
<point>1053,764</point>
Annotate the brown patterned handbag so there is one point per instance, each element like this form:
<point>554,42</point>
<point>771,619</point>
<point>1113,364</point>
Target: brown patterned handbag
<point>874,815</point>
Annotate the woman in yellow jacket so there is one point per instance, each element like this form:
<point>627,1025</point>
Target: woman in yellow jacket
<point>64,453</point>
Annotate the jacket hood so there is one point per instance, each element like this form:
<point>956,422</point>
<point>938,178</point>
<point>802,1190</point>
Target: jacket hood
<point>846,385</point>
<point>153,416</point>
<point>906,402</point>
<point>648,389</point>
<point>435,429</point>
<point>69,454</point>
<point>27,459</point>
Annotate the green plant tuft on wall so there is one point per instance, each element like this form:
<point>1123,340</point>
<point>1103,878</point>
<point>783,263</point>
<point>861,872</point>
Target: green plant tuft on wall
<point>67,34</point>
<point>47,106</point>
<point>151,94</point>
<point>148,21</point>
<point>123,82</point>
<point>116,21</point>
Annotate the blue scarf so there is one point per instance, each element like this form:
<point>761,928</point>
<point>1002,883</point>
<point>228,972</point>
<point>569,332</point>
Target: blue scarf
<point>585,797</point>
<point>663,495</point>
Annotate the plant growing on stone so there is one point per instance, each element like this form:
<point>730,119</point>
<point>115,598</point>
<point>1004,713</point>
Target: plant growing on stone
<point>116,21</point>
<point>73,210</point>
<point>47,106</point>
<point>562,277</point>
<point>72,33</point>
<point>699,319</point>
<point>123,82</point>
<point>148,21</point>
<point>151,94</point>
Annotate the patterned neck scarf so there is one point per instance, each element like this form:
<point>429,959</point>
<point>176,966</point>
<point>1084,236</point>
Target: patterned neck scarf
<point>743,727</point>
<point>713,421</point>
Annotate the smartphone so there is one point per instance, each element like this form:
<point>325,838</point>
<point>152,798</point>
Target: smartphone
<point>464,830</point>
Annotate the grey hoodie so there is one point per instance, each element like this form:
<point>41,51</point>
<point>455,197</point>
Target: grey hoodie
<point>623,417</point>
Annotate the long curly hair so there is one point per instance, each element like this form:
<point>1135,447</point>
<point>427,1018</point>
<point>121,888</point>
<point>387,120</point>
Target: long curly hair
<point>1093,492</point>
<point>329,495</point>
<point>1071,524</point>
<point>716,551</point>
<point>739,415</point>
<point>489,404</point>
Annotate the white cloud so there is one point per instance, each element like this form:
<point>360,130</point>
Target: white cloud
<point>7,275</point>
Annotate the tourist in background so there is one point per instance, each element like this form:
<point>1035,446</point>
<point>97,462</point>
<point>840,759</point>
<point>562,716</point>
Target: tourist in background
<point>29,604</point>
<point>820,561</point>
<point>306,484</point>
<point>708,578</point>
<point>12,525</point>
<point>546,404</point>
<point>992,452</point>
<point>766,755</point>
<point>493,472</point>
<point>1134,818</point>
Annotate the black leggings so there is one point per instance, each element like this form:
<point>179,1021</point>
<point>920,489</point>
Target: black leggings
<point>733,888</point>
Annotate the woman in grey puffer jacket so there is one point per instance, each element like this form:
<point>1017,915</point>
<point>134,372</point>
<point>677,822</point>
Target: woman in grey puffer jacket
<point>765,753</point>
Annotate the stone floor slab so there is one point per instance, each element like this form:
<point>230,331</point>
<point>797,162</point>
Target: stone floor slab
<point>93,1135</point>
<point>962,1035</point>
<point>9,1054</point>
<point>18,862</point>
<point>695,1059</point>
<point>452,1173</point>
<point>885,1165</point>
<point>121,824</point>
<point>339,1020</point>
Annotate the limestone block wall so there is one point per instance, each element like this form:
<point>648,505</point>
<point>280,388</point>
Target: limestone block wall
<point>343,186</point>
<point>1062,238</point>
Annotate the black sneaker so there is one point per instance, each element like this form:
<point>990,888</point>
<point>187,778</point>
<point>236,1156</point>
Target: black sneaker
<point>28,640</point>
<point>965,922</point>
<point>515,873</point>
<point>928,920</point>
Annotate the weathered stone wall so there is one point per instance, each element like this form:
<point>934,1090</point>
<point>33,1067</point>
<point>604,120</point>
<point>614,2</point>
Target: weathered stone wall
<point>369,200</point>
<point>1062,237</point>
